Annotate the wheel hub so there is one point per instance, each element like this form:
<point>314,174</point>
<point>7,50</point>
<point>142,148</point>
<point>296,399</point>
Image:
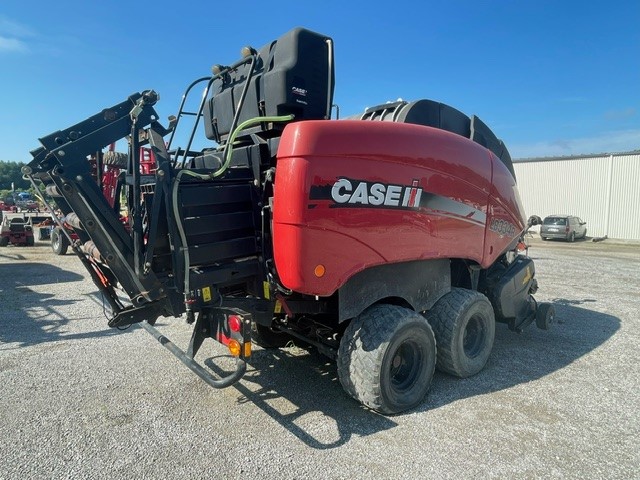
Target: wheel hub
<point>405,366</point>
<point>474,334</point>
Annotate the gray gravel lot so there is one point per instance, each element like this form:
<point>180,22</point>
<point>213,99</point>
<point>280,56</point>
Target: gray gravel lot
<point>79,400</point>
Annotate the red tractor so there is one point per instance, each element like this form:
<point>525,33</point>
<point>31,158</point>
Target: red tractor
<point>388,242</point>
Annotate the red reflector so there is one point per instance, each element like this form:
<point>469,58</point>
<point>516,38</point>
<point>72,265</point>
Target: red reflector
<point>235,323</point>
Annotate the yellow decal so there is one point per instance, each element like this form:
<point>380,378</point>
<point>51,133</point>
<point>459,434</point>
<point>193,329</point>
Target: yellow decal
<point>266,290</point>
<point>206,294</point>
<point>278,307</point>
<point>528,276</point>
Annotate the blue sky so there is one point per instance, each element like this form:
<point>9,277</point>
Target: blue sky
<point>549,77</point>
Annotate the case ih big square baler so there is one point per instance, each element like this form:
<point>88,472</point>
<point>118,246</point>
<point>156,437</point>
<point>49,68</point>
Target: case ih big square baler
<point>389,242</point>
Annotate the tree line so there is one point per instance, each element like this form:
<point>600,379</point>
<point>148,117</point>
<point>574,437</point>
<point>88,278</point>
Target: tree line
<point>10,172</point>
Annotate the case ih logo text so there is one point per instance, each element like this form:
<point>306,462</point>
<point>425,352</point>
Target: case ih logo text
<point>346,191</point>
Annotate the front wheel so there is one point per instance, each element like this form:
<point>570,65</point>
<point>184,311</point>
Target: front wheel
<point>386,358</point>
<point>464,325</point>
<point>545,315</point>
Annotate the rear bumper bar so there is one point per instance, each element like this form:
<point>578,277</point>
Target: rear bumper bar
<point>195,367</point>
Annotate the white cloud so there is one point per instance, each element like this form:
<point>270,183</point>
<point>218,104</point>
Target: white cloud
<point>12,35</point>
<point>607,142</point>
<point>14,29</point>
<point>12,45</point>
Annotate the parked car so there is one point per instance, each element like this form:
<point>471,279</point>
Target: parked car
<point>566,227</point>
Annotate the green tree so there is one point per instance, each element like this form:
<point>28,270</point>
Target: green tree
<point>10,172</point>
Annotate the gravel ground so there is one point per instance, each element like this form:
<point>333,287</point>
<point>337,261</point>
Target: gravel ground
<point>79,400</point>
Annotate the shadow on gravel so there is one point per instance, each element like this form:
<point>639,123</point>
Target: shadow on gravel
<point>30,317</point>
<point>522,358</point>
<point>287,387</point>
<point>308,382</point>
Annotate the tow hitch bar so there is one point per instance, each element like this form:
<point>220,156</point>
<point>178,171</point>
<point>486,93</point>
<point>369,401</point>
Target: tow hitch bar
<point>226,326</point>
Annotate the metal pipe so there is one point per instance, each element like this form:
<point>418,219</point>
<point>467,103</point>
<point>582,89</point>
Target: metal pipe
<point>195,367</point>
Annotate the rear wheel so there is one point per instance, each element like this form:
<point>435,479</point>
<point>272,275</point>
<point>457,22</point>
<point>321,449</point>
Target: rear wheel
<point>387,358</point>
<point>59,242</point>
<point>571,237</point>
<point>464,325</point>
<point>4,241</point>
<point>30,241</point>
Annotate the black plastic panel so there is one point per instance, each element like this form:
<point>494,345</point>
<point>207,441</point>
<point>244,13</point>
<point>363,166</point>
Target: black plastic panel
<point>293,74</point>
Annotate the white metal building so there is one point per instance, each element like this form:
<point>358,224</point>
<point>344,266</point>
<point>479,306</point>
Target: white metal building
<point>603,190</point>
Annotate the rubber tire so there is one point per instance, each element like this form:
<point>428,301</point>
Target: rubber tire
<point>268,338</point>
<point>115,158</point>
<point>4,241</point>
<point>370,345</point>
<point>450,318</point>
<point>572,237</point>
<point>30,242</point>
<point>545,315</point>
<point>59,242</point>
<point>585,234</point>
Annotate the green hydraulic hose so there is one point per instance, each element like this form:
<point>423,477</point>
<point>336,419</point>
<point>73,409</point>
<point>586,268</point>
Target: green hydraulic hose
<point>227,154</point>
<point>247,123</point>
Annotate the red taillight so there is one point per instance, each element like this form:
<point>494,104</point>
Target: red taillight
<point>235,323</point>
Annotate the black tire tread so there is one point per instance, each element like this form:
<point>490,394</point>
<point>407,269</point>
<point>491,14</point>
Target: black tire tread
<point>357,357</point>
<point>441,318</point>
<point>64,243</point>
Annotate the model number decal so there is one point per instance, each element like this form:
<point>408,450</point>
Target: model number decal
<point>345,191</point>
<point>502,227</point>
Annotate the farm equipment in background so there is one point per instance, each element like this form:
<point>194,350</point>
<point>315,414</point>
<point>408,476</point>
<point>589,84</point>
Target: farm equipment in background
<point>372,239</point>
<point>108,170</point>
<point>16,231</point>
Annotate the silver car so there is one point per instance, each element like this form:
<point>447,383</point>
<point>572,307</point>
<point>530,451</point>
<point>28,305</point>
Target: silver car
<point>566,227</point>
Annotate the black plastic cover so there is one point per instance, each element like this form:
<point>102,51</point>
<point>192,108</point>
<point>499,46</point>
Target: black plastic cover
<point>293,74</point>
<point>442,116</point>
<point>510,296</point>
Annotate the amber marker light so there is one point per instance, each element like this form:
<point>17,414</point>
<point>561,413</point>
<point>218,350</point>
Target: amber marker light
<point>234,348</point>
<point>319,271</point>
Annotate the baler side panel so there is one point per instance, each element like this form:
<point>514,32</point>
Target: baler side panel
<point>506,218</point>
<point>350,195</point>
